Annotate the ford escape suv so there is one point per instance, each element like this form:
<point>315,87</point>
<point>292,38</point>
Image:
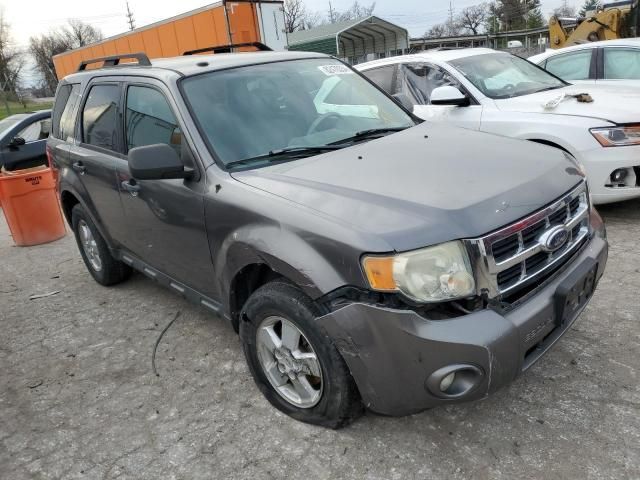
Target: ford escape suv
<point>366,259</point>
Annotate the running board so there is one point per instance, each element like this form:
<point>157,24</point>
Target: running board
<point>166,281</point>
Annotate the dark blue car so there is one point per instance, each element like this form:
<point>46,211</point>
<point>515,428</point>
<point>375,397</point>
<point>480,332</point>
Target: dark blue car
<point>23,140</point>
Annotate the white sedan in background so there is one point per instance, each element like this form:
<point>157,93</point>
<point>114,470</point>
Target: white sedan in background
<point>611,62</point>
<point>497,92</point>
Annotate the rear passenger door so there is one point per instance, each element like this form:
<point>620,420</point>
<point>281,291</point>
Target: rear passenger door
<point>98,152</point>
<point>164,218</point>
<point>619,66</point>
<point>575,67</point>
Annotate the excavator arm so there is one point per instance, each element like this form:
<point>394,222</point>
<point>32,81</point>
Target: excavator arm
<point>619,20</point>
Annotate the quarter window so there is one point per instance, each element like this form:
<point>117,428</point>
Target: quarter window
<point>63,116</point>
<point>621,63</point>
<point>100,117</point>
<point>383,77</point>
<point>149,119</point>
<point>574,66</point>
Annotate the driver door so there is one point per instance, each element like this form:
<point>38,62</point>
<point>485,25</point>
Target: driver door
<point>164,218</point>
<point>34,132</point>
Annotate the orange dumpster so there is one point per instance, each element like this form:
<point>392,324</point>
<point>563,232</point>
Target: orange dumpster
<point>30,205</point>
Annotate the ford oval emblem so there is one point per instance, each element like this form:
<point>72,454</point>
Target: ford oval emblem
<point>554,239</point>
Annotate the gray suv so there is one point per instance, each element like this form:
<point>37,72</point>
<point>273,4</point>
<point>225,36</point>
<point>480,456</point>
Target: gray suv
<point>366,259</point>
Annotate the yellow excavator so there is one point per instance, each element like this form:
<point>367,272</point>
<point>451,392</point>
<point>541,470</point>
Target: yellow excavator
<point>609,22</point>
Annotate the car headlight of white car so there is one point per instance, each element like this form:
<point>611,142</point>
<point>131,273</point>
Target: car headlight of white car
<point>433,274</point>
<point>617,136</point>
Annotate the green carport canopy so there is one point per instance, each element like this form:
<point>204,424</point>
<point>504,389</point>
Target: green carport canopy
<point>353,39</point>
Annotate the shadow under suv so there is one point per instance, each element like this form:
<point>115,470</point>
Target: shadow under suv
<point>365,258</point>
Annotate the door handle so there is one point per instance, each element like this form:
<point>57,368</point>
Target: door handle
<point>132,188</point>
<point>79,167</point>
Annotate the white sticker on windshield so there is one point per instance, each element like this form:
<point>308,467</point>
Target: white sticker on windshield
<point>330,70</point>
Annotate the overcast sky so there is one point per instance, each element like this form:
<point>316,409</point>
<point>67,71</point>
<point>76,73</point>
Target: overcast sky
<point>31,17</point>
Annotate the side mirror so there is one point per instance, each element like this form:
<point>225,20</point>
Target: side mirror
<point>403,100</point>
<point>448,95</point>
<point>156,162</point>
<point>17,141</point>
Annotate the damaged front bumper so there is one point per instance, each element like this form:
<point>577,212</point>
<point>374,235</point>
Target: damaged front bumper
<point>399,358</point>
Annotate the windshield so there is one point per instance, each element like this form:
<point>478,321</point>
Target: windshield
<point>253,112</point>
<point>500,75</point>
<point>9,122</point>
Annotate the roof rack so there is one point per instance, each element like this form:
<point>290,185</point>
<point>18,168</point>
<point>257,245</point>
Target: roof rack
<point>114,60</point>
<point>229,48</point>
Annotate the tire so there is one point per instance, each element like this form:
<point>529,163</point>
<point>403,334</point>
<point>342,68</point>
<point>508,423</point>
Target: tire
<point>336,402</point>
<point>105,269</point>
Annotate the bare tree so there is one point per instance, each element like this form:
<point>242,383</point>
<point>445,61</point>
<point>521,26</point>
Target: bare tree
<point>355,11</point>
<point>44,47</point>
<point>11,61</point>
<point>473,18</point>
<point>312,19</point>
<point>294,15</point>
<point>79,34</point>
<point>437,31</point>
<point>297,17</point>
<point>565,10</point>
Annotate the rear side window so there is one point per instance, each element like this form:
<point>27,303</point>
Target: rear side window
<point>383,77</point>
<point>100,117</point>
<point>62,117</point>
<point>149,119</point>
<point>573,66</point>
<point>621,63</point>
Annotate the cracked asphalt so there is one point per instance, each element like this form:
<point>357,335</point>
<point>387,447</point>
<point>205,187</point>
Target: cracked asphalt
<point>79,400</point>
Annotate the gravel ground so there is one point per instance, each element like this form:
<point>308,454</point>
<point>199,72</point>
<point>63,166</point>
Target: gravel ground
<point>78,398</point>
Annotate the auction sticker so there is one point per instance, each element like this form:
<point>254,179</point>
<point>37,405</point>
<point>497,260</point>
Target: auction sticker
<point>330,70</point>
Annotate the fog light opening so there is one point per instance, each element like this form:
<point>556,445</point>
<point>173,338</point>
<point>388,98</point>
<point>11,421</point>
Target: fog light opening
<point>619,175</point>
<point>454,381</point>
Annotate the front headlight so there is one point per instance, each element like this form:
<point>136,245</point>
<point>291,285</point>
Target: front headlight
<point>617,136</point>
<point>433,274</point>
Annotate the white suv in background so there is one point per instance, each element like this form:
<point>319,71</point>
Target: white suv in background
<point>496,92</point>
<point>611,62</point>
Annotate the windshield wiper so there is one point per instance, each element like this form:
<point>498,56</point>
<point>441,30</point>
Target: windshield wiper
<point>287,153</point>
<point>370,133</point>
<point>546,89</point>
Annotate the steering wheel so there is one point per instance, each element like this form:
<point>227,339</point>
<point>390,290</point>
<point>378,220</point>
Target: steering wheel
<point>313,128</point>
<point>509,87</point>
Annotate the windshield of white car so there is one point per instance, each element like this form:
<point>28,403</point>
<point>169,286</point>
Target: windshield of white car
<point>501,75</point>
<point>256,112</point>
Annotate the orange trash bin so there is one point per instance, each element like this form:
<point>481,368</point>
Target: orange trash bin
<point>30,205</point>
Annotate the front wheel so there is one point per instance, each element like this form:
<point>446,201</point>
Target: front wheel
<point>292,359</point>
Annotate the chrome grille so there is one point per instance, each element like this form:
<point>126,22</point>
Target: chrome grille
<point>508,259</point>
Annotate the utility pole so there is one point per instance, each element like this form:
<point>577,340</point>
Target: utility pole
<point>130,19</point>
<point>331,17</point>
<point>526,23</point>
<point>450,26</point>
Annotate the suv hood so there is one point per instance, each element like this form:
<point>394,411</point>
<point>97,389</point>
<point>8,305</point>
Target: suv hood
<point>425,185</point>
<point>616,105</point>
